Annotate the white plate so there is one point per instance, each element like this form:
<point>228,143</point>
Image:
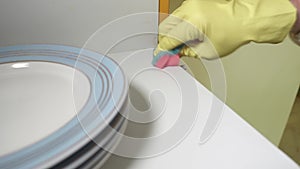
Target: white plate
<point>106,95</point>
<point>100,143</point>
<point>36,100</point>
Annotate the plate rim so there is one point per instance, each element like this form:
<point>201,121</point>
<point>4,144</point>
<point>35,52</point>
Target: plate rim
<point>90,55</point>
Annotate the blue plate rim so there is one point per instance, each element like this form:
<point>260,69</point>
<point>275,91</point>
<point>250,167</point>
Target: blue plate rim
<point>86,54</point>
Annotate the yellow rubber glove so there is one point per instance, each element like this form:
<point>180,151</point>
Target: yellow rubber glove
<point>213,28</point>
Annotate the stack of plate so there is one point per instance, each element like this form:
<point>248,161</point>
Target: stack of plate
<point>59,107</point>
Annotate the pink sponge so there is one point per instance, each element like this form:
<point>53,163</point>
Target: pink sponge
<point>167,60</point>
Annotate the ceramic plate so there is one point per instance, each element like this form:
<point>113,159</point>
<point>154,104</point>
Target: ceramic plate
<point>105,139</point>
<point>44,67</point>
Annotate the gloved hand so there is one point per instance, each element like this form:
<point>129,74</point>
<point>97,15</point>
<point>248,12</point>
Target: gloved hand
<point>213,28</point>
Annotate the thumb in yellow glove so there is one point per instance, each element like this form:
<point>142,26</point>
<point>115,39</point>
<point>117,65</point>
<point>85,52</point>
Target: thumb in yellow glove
<point>213,28</point>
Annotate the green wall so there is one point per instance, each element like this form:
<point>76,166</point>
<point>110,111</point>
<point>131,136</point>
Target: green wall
<point>174,4</point>
<point>261,84</point>
<point>262,81</point>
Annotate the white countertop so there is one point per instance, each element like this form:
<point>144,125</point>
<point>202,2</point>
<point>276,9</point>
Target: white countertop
<point>180,107</point>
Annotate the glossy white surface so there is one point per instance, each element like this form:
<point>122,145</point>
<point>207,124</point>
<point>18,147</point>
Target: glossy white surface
<point>37,98</point>
<point>234,145</point>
